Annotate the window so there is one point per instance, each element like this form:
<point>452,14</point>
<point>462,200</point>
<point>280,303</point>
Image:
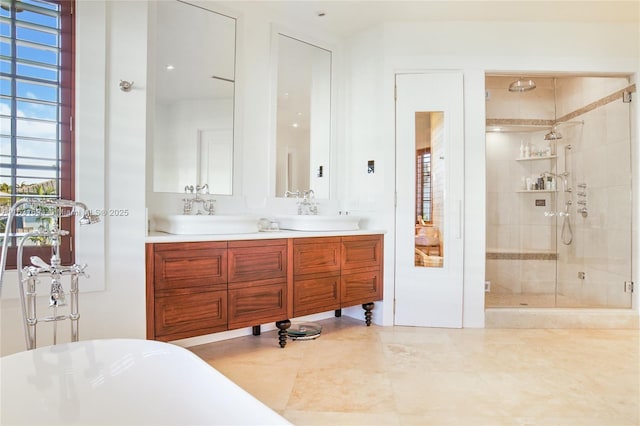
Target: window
<point>423,185</point>
<point>36,105</point>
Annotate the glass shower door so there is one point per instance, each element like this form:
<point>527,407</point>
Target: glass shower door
<point>594,265</point>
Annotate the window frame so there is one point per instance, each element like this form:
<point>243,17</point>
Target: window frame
<point>66,141</point>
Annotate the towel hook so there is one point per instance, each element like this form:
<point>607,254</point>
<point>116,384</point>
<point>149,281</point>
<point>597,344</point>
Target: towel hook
<point>125,85</point>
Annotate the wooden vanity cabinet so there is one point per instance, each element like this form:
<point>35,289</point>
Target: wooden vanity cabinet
<point>197,288</point>
<point>186,289</point>
<point>257,282</point>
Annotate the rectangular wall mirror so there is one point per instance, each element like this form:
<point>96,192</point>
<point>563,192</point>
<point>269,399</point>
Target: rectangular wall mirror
<point>303,133</point>
<point>191,76</point>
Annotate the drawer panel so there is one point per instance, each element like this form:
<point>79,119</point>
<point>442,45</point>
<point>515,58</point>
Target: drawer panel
<point>316,255</point>
<point>262,260</point>
<point>190,267</point>
<point>257,305</point>
<point>361,252</point>
<point>188,315</point>
<point>316,295</point>
<point>361,287</point>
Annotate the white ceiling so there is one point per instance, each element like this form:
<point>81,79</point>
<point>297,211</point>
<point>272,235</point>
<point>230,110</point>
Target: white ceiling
<point>344,18</point>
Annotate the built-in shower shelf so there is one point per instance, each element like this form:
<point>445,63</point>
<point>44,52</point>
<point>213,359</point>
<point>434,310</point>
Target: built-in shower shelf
<point>546,157</point>
<point>524,191</point>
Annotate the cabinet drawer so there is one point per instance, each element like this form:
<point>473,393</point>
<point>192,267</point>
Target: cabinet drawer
<point>316,295</point>
<point>361,287</point>
<point>316,255</point>
<point>257,260</point>
<point>361,252</point>
<point>192,314</point>
<point>190,265</point>
<point>256,305</point>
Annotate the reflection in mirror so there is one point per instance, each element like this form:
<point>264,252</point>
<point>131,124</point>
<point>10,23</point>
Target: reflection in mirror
<point>303,133</point>
<point>429,172</point>
<point>193,76</point>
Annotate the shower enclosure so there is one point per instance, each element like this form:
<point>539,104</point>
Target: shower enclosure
<point>558,191</point>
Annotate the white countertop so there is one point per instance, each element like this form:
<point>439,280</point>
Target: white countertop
<point>122,382</point>
<point>161,237</point>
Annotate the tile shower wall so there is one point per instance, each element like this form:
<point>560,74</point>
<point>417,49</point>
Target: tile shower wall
<point>521,240</point>
<point>522,243</point>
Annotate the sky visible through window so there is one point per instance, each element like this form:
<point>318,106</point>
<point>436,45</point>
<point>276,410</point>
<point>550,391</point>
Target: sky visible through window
<point>37,43</point>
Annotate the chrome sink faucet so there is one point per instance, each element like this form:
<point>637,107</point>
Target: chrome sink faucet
<point>207,204</point>
<point>308,205</point>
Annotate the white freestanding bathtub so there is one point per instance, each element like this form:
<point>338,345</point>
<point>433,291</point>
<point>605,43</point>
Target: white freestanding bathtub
<point>122,382</point>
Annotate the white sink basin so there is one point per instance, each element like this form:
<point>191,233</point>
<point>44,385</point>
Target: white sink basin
<point>206,224</point>
<point>318,223</point>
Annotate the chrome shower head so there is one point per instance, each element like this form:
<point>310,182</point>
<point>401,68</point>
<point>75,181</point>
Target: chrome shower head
<point>521,85</point>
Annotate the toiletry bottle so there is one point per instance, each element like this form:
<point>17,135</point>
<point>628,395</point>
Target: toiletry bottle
<point>521,149</point>
<point>527,150</point>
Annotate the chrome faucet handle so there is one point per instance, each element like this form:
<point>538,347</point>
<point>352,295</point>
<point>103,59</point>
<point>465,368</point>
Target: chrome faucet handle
<point>187,206</point>
<point>209,206</point>
<point>79,270</point>
<point>188,189</point>
<point>288,194</point>
<point>37,261</point>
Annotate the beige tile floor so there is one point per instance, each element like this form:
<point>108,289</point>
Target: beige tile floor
<point>353,374</point>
